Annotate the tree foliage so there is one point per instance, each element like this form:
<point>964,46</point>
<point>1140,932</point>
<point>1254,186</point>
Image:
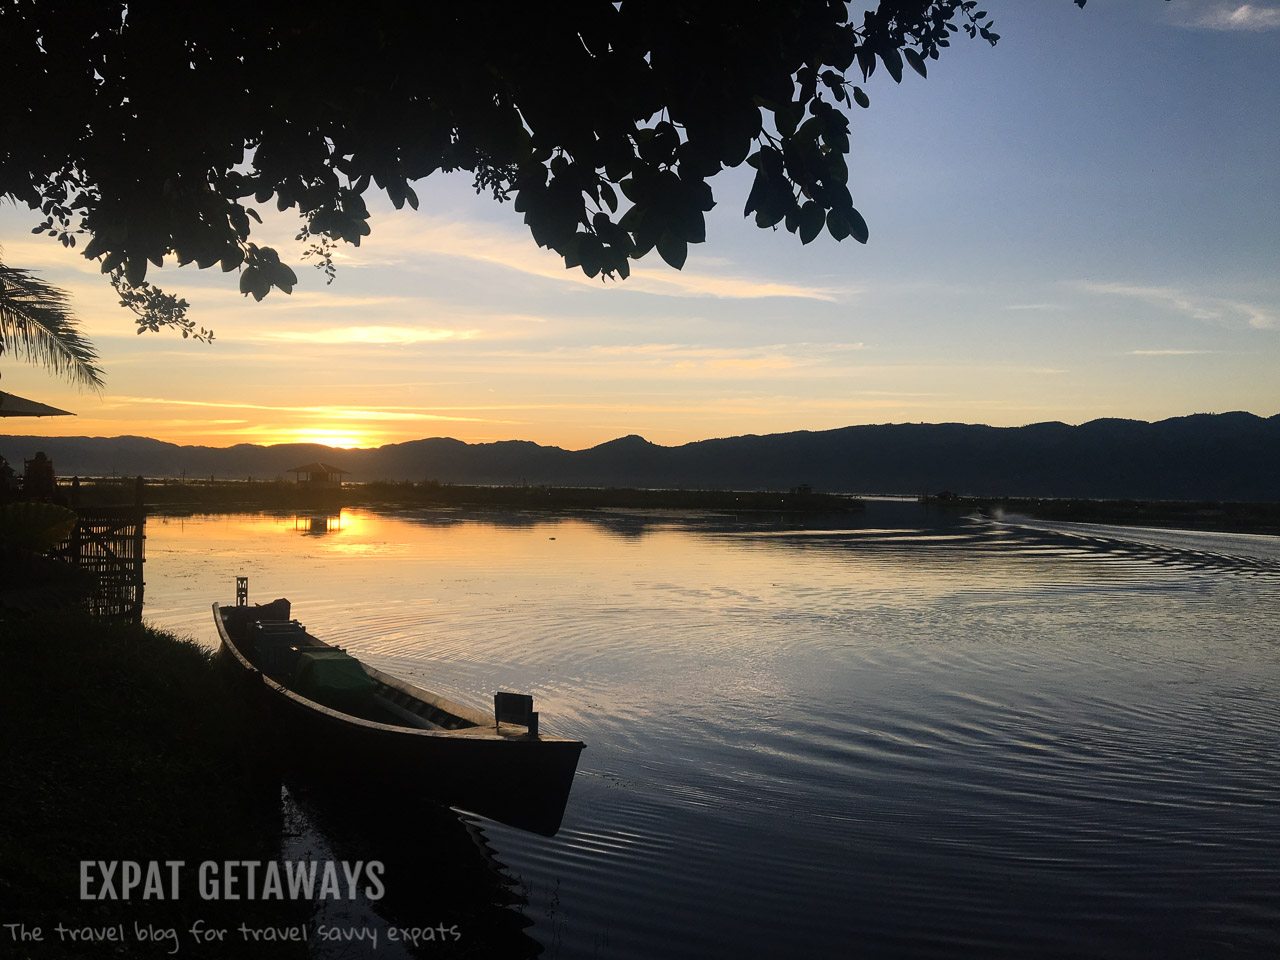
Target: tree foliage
<point>156,130</point>
<point>36,324</point>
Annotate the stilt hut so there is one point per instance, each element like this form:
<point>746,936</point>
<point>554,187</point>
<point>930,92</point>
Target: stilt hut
<point>318,475</point>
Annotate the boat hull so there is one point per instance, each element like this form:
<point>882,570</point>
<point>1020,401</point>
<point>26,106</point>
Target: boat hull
<point>521,780</point>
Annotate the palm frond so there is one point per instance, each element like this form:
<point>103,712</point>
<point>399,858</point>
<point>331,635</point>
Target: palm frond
<point>36,322</point>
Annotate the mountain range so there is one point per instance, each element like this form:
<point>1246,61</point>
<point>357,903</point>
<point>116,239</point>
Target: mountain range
<point>1228,456</point>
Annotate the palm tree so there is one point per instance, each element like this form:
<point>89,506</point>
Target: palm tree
<point>36,322</point>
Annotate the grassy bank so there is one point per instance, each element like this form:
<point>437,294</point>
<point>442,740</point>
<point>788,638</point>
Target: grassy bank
<point>123,743</point>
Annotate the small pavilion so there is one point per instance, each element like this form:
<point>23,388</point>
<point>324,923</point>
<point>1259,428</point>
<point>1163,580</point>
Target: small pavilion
<point>319,474</point>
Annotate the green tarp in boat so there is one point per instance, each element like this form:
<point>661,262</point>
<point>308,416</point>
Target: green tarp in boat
<point>333,678</point>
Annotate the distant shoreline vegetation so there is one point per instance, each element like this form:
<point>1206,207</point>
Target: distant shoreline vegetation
<point>246,494</point>
<point>169,494</point>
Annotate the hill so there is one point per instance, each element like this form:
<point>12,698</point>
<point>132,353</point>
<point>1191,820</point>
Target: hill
<point>1230,456</point>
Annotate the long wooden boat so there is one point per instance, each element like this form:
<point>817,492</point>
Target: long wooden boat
<point>356,729</point>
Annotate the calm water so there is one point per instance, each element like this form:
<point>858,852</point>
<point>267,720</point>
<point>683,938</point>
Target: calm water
<point>901,735</point>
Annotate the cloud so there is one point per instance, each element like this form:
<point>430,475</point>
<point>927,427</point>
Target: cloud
<point>311,300</point>
<point>45,254</point>
<point>692,284</point>
<point>319,412</point>
<point>374,334</point>
<point>405,240</point>
<point>1166,353</point>
<point>1198,307</point>
<point>409,241</point>
<point>686,360</point>
<point>1228,16</point>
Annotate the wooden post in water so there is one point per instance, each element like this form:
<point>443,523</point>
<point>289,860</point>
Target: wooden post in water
<point>110,543</point>
<point>139,549</point>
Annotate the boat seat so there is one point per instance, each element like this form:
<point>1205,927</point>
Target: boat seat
<point>407,717</point>
<point>278,630</point>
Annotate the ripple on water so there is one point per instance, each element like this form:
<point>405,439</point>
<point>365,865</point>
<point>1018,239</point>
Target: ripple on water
<point>900,739</point>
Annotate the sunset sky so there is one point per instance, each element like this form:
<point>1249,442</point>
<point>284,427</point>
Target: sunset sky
<point>1081,222</point>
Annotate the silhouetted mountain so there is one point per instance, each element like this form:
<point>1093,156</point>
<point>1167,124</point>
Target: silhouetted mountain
<point>1230,456</point>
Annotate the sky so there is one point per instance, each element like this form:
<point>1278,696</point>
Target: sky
<point>1081,222</point>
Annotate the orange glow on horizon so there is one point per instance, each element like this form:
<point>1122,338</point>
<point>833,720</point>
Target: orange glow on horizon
<point>328,436</point>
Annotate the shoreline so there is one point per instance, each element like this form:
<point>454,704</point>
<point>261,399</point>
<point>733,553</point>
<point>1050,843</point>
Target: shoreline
<point>1260,517</point>
<point>267,494</point>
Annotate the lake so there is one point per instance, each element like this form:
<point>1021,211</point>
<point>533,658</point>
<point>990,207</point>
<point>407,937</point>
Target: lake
<point>897,733</point>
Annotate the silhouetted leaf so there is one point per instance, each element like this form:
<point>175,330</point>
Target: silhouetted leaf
<point>837,169</point>
<point>135,270</point>
<point>673,249</point>
<point>239,219</point>
<point>608,196</point>
<point>572,252</point>
<point>590,254</point>
<point>811,221</point>
<point>892,61</point>
<point>837,226</point>
<point>771,215</point>
<point>811,128</point>
<point>857,226</point>
<point>694,225</point>
<point>866,61</point>
<point>759,189</point>
<point>284,277</point>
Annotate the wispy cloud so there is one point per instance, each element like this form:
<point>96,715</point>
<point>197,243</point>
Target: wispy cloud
<point>319,412</point>
<point>693,284</point>
<point>679,360</point>
<point>1166,353</point>
<point>1196,306</point>
<point>407,240</point>
<point>45,254</point>
<point>413,242</point>
<point>313,300</point>
<point>1227,16</point>
<point>374,334</point>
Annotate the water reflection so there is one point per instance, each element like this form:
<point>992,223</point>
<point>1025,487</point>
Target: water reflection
<point>446,894</point>
<point>318,526</point>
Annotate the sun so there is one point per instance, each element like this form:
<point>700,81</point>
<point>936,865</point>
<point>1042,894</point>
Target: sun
<point>331,437</point>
